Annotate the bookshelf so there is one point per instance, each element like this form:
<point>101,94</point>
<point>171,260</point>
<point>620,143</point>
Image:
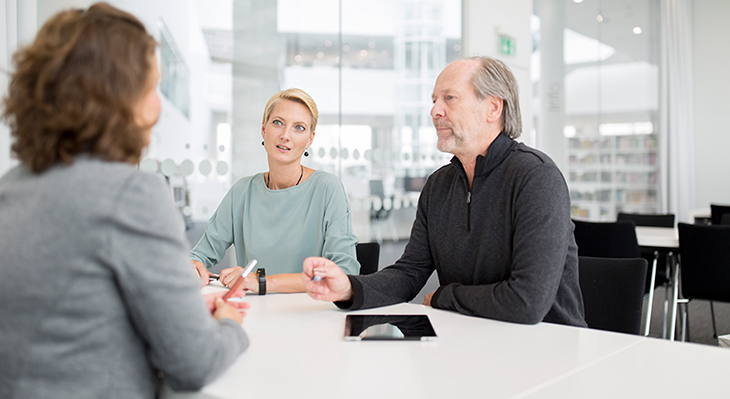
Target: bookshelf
<point>612,174</point>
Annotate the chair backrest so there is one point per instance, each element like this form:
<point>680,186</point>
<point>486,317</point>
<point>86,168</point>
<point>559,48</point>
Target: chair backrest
<point>648,220</point>
<point>704,253</point>
<point>613,292</point>
<point>368,254</point>
<point>607,240</point>
<point>716,212</point>
<point>725,220</point>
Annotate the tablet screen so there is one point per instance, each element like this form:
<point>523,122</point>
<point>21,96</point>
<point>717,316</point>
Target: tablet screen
<point>388,327</point>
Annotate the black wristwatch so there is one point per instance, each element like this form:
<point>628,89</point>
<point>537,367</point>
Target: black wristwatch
<point>262,280</point>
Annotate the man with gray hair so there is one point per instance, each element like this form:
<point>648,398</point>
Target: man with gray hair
<point>494,223</point>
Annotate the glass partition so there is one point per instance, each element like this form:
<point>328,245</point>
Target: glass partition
<point>609,97</point>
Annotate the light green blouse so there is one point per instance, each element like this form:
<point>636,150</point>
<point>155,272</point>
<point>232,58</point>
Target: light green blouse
<point>281,228</point>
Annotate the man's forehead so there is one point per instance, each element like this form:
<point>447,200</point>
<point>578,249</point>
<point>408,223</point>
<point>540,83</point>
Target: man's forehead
<point>456,77</point>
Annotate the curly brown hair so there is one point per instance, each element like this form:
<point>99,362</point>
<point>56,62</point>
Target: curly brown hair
<point>75,87</point>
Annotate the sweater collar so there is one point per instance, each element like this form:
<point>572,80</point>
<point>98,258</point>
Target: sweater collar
<point>496,153</point>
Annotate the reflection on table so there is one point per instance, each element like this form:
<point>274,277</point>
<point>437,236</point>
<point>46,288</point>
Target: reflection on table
<point>298,351</point>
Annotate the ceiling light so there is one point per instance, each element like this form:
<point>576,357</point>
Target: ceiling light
<point>637,30</point>
<point>577,1</point>
<point>599,18</point>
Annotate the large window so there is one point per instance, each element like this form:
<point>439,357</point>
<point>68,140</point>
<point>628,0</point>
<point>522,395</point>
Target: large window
<point>605,86</point>
<point>369,65</point>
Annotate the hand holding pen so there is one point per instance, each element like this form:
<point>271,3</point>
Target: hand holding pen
<point>241,279</point>
<point>230,275</point>
<point>325,281</point>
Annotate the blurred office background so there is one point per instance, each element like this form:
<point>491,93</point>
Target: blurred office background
<point>627,96</point>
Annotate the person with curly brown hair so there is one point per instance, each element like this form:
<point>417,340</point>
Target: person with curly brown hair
<point>97,297</point>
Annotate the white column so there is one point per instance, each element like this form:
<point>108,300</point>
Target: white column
<point>482,23</point>
<point>257,73</point>
<point>550,138</point>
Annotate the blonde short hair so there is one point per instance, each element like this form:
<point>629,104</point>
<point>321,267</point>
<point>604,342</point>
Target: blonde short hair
<point>297,96</point>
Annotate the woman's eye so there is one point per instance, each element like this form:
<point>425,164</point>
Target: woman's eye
<point>301,128</point>
<point>277,122</point>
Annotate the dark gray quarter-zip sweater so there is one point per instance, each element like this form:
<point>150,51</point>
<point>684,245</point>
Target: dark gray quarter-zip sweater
<point>502,250</point>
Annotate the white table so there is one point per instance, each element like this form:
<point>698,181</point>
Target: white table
<point>297,351</point>
<point>658,237</point>
<point>667,239</point>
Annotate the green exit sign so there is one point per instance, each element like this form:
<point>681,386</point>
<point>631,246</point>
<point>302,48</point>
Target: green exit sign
<point>507,45</point>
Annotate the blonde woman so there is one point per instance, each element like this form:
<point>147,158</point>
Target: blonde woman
<point>282,216</point>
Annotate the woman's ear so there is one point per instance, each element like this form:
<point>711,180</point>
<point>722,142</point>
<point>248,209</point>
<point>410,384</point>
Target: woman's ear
<point>311,139</point>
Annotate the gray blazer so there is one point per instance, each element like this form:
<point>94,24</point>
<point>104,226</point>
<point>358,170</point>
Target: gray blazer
<point>96,292</point>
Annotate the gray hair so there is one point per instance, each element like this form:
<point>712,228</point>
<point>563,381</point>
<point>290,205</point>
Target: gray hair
<point>494,78</point>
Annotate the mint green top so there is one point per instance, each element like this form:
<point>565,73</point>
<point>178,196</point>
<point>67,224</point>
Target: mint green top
<point>281,228</point>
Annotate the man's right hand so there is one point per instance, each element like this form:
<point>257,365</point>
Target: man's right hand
<point>202,271</point>
<point>334,285</point>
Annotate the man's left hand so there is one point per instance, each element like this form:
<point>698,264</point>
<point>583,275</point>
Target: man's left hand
<point>427,299</point>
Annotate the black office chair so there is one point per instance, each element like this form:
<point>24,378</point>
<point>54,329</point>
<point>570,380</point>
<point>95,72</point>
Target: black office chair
<point>725,220</point>
<point>613,292</point>
<point>656,276</point>
<point>640,219</point>
<point>368,254</point>
<point>716,212</point>
<point>607,239</point>
<point>379,214</point>
<point>610,240</point>
<point>704,253</point>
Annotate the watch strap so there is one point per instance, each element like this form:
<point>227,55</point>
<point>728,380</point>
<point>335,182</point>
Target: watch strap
<point>262,280</point>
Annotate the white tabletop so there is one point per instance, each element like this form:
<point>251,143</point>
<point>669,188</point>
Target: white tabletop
<point>297,351</point>
<point>661,237</point>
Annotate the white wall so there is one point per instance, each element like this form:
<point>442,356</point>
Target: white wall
<point>481,20</point>
<point>712,102</point>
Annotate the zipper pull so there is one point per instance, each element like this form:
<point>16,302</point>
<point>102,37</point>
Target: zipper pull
<point>468,197</point>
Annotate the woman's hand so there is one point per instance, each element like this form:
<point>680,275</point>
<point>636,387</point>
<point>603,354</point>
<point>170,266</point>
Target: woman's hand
<point>226,310</point>
<point>202,271</point>
<point>229,276</point>
<point>334,284</point>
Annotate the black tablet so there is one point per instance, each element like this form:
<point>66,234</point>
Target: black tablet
<point>379,327</point>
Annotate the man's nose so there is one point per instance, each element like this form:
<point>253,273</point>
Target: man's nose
<point>437,110</point>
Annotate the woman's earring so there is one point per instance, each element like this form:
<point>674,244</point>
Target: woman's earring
<point>262,142</point>
<point>306,153</point>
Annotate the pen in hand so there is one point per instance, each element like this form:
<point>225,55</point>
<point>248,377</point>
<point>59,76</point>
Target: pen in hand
<point>240,280</point>
<point>214,277</point>
<point>315,277</point>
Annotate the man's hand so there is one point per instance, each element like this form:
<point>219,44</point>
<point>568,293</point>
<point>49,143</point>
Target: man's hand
<point>334,285</point>
<point>427,299</point>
